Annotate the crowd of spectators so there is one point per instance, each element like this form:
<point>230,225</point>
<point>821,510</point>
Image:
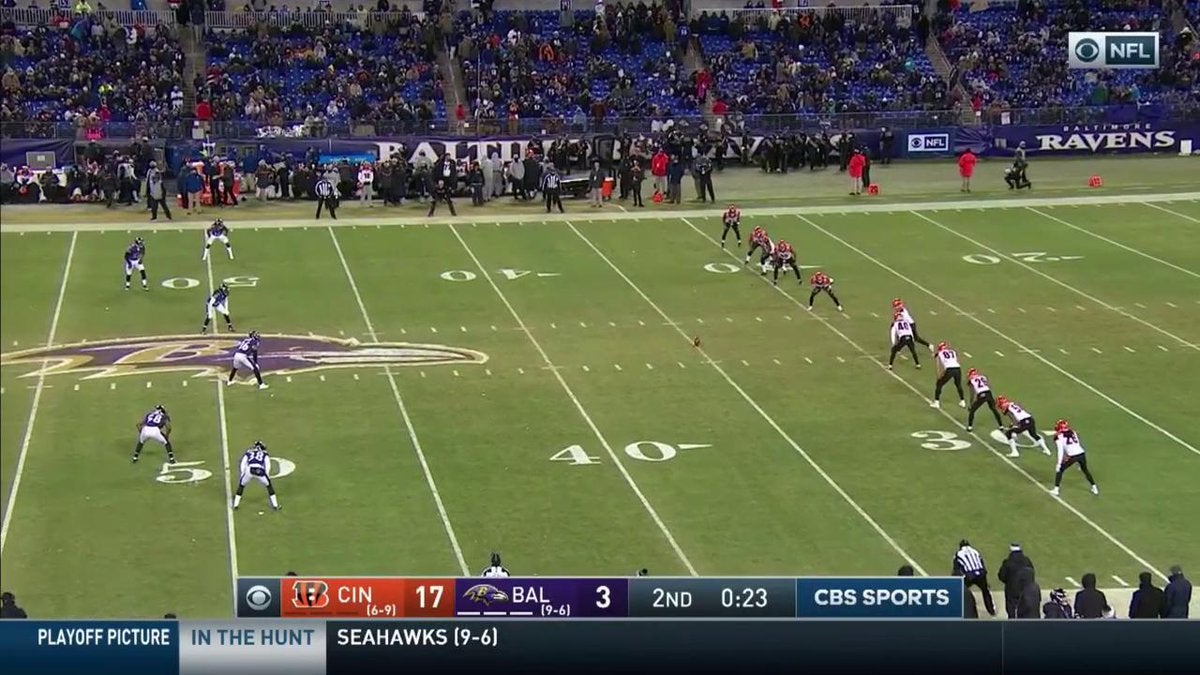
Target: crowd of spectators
<point>1014,56</point>
<point>581,68</point>
<point>89,72</point>
<point>821,61</point>
<point>378,68</point>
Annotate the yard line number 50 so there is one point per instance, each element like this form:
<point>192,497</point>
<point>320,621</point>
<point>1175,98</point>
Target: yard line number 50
<point>192,472</point>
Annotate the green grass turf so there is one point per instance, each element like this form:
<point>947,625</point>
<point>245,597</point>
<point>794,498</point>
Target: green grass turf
<point>807,464</point>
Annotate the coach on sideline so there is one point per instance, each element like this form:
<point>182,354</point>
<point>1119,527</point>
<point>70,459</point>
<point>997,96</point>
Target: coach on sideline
<point>968,564</point>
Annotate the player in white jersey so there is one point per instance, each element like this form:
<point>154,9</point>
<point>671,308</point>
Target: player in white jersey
<point>982,392</point>
<point>1022,421</point>
<point>948,369</point>
<point>899,306</point>
<point>1070,452</point>
<point>902,336</point>
<point>218,231</point>
<point>155,426</point>
<point>496,570</point>
<point>256,465</point>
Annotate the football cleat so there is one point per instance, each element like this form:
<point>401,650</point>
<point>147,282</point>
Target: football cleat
<point>264,385</point>
<point>809,308</point>
<point>1054,491</point>
<point>839,308</point>
<point>134,459</point>
<point>970,428</point>
<point>935,404</point>
<point>1095,489</point>
<point>1014,453</point>
<point>170,459</point>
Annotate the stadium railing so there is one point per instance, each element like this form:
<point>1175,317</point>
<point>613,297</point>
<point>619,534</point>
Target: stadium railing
<point>1155,113</point>
<point>306,18</point>
<point>35,16</point>
<point>903,13</point>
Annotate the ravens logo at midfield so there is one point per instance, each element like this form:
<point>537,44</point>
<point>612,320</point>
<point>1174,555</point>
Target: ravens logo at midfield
<point>486,594</point>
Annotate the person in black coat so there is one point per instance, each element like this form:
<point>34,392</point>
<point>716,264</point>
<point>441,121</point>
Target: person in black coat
<point>1057,606</point>
<point>1177,595</point>
<point>1090,603</point>
<point>9,608</point>
<point>1029,601</point>
<point>906,571</point>
<point>1147,601</point>
<point>1014,563</point>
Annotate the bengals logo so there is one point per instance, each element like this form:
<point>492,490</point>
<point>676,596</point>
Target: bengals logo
<point>310,594</point>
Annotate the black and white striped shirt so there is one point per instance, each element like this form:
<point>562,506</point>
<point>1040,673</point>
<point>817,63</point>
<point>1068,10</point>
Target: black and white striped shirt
<point>324,189</point>
<point>969,562</point>
<point>495,571</point>
<point>550,181</point>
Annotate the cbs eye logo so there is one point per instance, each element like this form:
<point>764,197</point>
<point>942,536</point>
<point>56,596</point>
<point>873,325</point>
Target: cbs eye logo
<point>258,598</point>
<point>1087,50</point>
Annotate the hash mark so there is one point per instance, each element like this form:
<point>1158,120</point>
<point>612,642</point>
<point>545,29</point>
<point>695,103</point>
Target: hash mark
<point>586,369</point>
<point>1074,584</point>
<point>463,328</point>
<point>455,373</point>
<point>998,352</point>
<point>355,376</point>
<point>1081,308</point>
<point>493,328</point>
<point>1052,309</point>
<point>968,355</point>
<point>728,319</point>
<point>433,329</point>
<point>699,320</point>
<point>787,317</point>
<point>745,362</point>
<point>610,323</point>
<point>1172,305</point>
<point>1139,305</point>
<point>1021,310</point>
<point>874,315</point>
<point>807,360</point>
<point>1097,350</point>
<point>841,360</point>
<point>582,324</point>
<point>76,387</point>
<point>185,383</point>
<point>404,332</point>
<point>1119,580</point>
<point>520,371</point>
<point>649,367</point>
<point>112,386</point>
<point>991,311</point>
<point>322,377</point>
<point>554,325</point>
<point>617,366</point>
<point>422,373</point>
<point>1129,349</point>
<point>933,312</point>
<point>776,362</point>
<point>1063,350</point>
<point>288,378</point>
<point>487,371</point>
<point>681,364</point>
<point>641,323</point>
<point>1163,348</point>
<point>758,319</point>
<point>148,384</point>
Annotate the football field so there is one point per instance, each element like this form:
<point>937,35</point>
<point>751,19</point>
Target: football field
<point>440,390</point>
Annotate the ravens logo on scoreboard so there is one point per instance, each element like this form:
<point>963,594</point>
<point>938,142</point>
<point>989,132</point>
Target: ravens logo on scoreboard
<point>485,594</point>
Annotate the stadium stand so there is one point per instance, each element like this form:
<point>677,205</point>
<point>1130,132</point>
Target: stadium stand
<point>89,73</point>
<point>581,66</point>
<point>1014,55</point>
<point>368,67</point>
<point>820,60</point>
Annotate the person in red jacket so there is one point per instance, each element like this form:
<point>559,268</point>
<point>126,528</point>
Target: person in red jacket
<point>658,169</point>
<point>966,169</point>
<point>857,162</point>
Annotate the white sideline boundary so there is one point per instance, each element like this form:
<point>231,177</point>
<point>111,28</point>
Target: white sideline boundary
<point>595,215</point>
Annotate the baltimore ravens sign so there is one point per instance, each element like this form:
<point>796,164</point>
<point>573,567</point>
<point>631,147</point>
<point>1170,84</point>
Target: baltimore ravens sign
<point>207,355</point>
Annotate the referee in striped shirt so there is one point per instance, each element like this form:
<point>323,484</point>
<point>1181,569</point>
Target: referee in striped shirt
<point>326,193</point>
<point>552,188</point>
<point>495,570</point>
<point>968,564</point>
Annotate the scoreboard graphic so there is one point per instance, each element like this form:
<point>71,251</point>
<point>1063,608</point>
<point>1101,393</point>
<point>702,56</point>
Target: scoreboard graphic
<point>601,598</point>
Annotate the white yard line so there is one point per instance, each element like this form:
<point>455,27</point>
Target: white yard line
<point>758,408</point>
<point>986,445</point>
<point>642,214</point>
<point>1166,210</point>
<point>587,418</point>
<point>222,418</point>
<point>997,332</point>
<point>27,438</point>
<point>408,424</point>
<point>1115,243</point>
<point>1055,280</point>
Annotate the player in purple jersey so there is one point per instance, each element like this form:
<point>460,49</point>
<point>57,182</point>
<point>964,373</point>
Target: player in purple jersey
<point>255,465</point>
<point>155,426</point>
<point>135,257</point>
<point>246,356</point>
<point>218,231</point>
<point>218,302</point>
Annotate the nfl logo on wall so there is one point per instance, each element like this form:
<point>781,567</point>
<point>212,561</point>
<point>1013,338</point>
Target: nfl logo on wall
<point>928,142</point>
<point>1125,50</point>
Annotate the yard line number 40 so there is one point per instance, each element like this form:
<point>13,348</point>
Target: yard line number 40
<point>643,451</point>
